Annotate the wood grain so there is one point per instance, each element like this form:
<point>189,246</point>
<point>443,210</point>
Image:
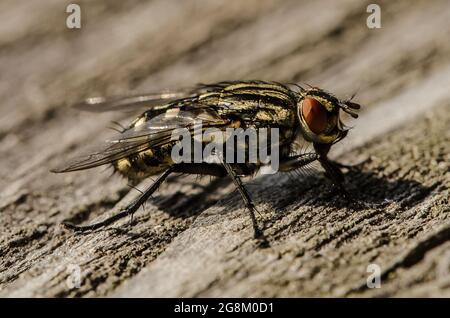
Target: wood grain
<point>194,237</point>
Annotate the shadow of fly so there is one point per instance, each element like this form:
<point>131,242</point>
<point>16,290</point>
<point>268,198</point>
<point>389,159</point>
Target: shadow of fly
<point>150,145</point>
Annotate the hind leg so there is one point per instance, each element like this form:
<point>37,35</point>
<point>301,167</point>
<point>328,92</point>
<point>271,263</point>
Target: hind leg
<point>129,210</point>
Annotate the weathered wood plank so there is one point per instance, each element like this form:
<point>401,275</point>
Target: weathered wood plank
<point>194,237</point>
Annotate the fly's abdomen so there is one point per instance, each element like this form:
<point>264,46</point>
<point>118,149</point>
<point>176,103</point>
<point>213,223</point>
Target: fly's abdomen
<point>144,164</point>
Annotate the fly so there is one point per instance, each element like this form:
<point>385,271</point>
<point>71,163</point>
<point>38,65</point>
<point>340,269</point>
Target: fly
<point>144,148</point>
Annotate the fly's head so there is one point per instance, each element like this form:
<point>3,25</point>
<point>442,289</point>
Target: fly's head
<point>318,113</point>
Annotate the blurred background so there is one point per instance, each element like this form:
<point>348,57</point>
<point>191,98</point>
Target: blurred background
<point>399,72</point>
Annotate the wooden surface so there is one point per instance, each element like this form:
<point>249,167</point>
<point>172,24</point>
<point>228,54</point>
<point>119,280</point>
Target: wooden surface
<point>194,237</point>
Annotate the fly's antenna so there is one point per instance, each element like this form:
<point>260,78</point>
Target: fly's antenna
<point>350,108</point>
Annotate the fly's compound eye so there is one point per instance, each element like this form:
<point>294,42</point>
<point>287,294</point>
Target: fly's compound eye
<point>315,115</point>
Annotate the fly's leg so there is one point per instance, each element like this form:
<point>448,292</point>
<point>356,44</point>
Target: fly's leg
<point>222,171</point>
<point>296,162</point>
<point>129,210</point>
<point>333,171</point>
<point>245,197</point>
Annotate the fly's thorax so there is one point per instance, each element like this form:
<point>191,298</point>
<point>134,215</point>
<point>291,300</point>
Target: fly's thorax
<point>261,103</point>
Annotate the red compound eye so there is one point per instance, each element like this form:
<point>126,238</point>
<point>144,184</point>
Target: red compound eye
<point>315,115</point>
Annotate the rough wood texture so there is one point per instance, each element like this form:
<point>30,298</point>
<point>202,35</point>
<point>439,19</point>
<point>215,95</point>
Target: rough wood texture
<point>194,238</point>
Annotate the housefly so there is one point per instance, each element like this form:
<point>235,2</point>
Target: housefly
<point>144,147</point>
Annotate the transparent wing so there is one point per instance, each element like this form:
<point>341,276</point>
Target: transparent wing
<point>152,133</point>
<point>128,103</point>
<point>145,101</point>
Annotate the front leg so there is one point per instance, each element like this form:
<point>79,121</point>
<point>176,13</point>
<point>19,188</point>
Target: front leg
<point>296,162</point>
<point>332,169</point>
